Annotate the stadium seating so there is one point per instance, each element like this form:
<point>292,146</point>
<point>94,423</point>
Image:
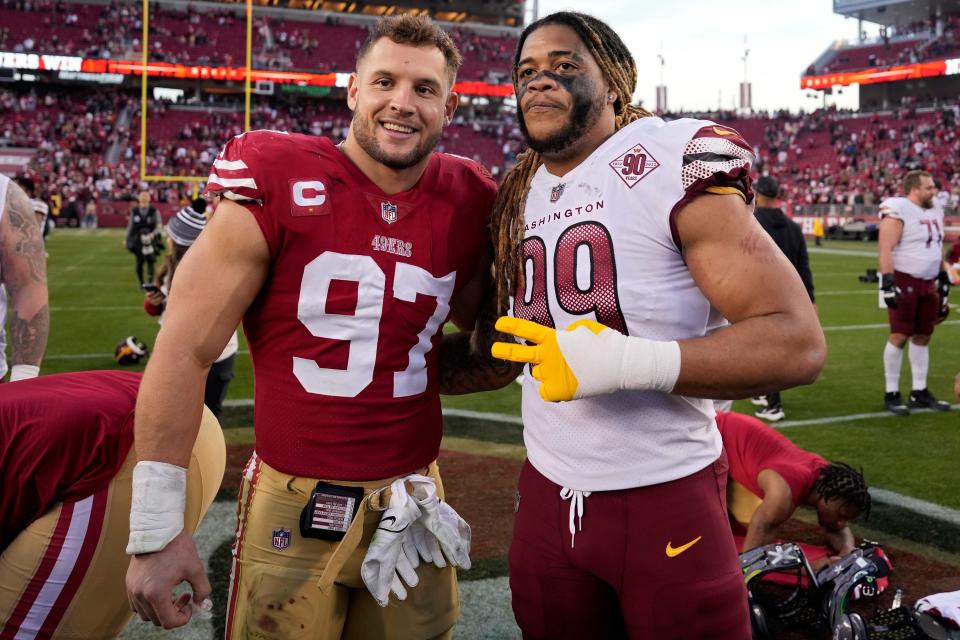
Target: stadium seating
<point>915,44</point>
<point>188,36</point>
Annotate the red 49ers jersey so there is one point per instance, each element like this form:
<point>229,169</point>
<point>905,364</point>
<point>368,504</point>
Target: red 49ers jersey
<point>62,438</point>
<point>343,333</point>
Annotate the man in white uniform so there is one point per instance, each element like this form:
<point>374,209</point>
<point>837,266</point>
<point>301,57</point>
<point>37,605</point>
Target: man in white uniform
<point>23,275</point>
<point>915,287</point>
<point>641,230</point>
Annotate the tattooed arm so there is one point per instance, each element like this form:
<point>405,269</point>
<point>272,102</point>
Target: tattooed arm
<point>23,269</point>
<point>466,365</point>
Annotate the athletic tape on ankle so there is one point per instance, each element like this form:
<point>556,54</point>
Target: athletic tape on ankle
<point>157,505</point>
<point>650,364</point>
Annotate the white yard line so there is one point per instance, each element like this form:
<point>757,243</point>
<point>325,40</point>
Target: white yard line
<point>85,356</point>
<point>929,509</point>
<point>76,356</point>
<point>922,507</point>
<point>101,308</point>
<point>787,424</point>
<point>842,252</point>
<point>883,325</point>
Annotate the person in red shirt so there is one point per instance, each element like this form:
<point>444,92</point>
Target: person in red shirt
<point>343,261</point>
<point>770,477</point>
<point>65,466</point>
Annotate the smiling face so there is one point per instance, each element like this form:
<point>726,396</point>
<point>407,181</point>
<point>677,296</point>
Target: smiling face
<point>563,96</point>
<point>401,99</point>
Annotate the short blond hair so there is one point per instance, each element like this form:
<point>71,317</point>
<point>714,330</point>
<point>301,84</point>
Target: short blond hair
<point>912,180</point>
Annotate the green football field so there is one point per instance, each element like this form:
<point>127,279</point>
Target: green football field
<point>95,302</point>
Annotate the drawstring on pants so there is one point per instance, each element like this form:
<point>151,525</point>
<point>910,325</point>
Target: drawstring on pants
<point>576,510</point>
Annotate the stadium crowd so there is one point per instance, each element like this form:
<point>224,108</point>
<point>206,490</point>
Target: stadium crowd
<point>916,42</point>
<point>829,157</point>
<point>84,144</point>
<point>186,35</point>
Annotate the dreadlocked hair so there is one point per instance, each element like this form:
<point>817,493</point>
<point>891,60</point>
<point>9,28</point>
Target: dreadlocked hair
<point>840,480</point>
<point>619,68</point>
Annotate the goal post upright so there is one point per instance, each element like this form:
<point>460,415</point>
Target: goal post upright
<point>144,78</point>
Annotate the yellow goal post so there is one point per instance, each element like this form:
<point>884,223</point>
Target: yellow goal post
<point>144,81</point>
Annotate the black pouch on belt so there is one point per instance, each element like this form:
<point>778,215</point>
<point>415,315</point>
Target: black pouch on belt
<point>330,511</point>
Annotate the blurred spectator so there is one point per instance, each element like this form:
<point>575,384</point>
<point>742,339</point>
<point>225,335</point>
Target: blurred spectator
<point>143,235</point>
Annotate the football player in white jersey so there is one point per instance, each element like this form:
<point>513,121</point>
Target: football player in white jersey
<point>637,232</point>
<point>913,277</point>
<point>23,274</point>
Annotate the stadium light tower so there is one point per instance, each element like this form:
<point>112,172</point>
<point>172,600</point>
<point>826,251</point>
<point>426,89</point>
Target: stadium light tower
<point>661,88</point>
<point>746,97</point>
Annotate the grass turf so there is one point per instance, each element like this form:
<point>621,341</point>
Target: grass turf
<point>95,302</point>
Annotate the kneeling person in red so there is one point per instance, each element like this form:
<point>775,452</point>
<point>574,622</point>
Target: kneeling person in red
<point>66,465</point>
<point>770,478</point>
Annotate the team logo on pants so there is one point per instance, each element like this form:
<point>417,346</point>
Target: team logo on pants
<point>281,539</point>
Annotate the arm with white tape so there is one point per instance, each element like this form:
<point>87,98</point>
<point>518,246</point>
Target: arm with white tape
<point>774,340</point>
<point>201,315</point>
<point>589,359</point>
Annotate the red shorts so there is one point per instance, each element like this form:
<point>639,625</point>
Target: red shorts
<point>917,308</point>
<point>620,579</point>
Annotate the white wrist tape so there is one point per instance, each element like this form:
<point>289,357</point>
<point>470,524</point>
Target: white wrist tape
<point>649,364</point>
<point>23,372</point>
<point>156,509</point>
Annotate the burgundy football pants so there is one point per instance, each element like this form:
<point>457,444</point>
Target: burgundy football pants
<point>650,563</point>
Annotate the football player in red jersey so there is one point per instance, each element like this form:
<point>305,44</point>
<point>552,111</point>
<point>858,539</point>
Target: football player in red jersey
<point>770,478</point>
<point>637,235</point>
<point>65,466</point>
<point>344,262</point>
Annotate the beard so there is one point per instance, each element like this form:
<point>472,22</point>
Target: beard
<point>584,114</point>
<point>928,203</point>
<point>364,131</point>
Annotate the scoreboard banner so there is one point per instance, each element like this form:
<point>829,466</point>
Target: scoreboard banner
<point>76,64</point>
<point>931,69</point>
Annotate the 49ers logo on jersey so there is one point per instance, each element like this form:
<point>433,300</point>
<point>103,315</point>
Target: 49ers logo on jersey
<point>634,165</point>
<point>308,198</point>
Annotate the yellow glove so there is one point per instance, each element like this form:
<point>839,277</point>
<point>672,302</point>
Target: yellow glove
<point>589,359</point>
<point>557,380</point>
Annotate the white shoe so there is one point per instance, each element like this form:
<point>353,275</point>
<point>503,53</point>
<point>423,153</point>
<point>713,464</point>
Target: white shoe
<point>771,414</point>
<point>759,401</point>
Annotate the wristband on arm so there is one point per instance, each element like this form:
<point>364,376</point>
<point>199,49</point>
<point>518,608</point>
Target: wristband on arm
<point>23,372</point>
<point>157,505</point>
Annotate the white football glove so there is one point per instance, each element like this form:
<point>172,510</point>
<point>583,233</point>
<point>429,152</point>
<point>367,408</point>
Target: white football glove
<point>442,527</point>
<point>386,561</point>
<point>421,544</point>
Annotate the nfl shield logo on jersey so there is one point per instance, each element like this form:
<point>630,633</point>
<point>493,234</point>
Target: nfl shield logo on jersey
<point>388,211</point>
<point>557,191</point>
<point>281,539</point>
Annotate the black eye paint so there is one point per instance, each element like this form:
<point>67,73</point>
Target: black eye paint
<point>585,111</point>
<point>566,82</point>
